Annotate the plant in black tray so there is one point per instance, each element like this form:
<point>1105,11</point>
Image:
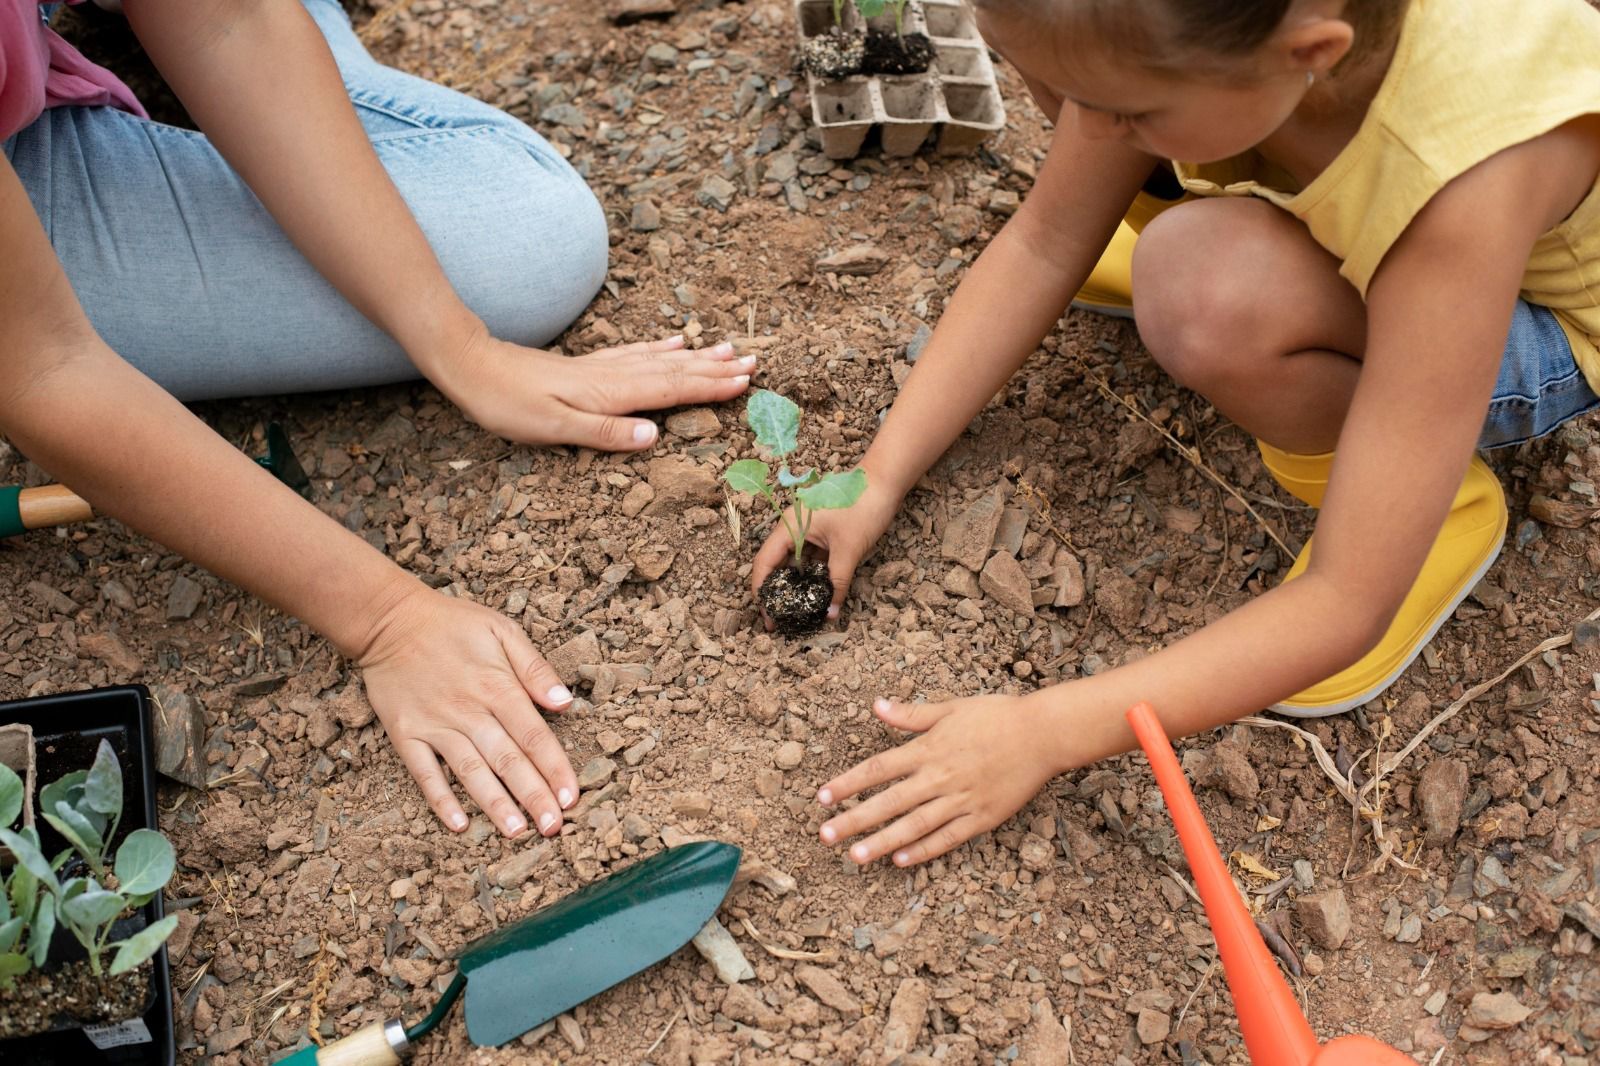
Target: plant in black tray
<point>898,52</point>
<point>84,890</point>
<point>795,597</point>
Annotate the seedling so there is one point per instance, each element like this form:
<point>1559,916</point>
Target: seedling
<point>799,596</point>
<point>84,807</point>
<point>874,8</point>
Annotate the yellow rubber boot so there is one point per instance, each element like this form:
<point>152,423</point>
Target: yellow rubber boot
<point>1467,545</point>
<point>1109,289</point>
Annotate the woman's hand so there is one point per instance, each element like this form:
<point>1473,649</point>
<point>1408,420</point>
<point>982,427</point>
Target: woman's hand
<point>843,538</point>
<point>976,763</point>
<point>458,681</point>
<point>537,397</point>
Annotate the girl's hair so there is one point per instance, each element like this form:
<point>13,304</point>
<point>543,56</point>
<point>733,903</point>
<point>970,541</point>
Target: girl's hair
<point>1185,34</point>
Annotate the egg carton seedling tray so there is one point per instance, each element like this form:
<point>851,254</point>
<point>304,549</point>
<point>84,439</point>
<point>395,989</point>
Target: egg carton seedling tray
<point>957,101</point>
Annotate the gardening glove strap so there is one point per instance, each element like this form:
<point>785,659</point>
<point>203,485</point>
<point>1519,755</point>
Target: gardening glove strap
<point>378,1044</point>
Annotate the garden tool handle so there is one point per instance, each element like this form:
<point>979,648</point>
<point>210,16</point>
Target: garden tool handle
<point>378,1044</point>
<point>47,505</point>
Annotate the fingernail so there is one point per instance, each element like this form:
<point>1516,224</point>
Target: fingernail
<point>725,348</point>
<point>833,610</point>
<point>546,821</point>
<point>644,432</point>
<point>748,360</point>
<point>901,858</point>
<point>458,821</point>
<point>515,825</point>
<point>676,338</point>
<point>880,704</point>
<point>564,797</point>
<point>859,853</point>
<point>825,797</point>
<point>559,694</point>
<point>742,379</point>
<point>829,834</point>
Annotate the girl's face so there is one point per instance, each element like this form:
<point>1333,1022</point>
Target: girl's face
<point>1193,119</point>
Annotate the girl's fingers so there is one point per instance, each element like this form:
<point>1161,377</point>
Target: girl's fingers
<point>912,717</point>
<point>538,678</point>
<point>472,769</point>
<point>774,550</point>
<point>951,835</point>
<point>840,569</point>
<point>531,732</point>
<point>870,814</point>
<point>665,344</point>
<point>881,768</point>
<point>424,766</point>
<point>514,765</point>
<point>915,826</point>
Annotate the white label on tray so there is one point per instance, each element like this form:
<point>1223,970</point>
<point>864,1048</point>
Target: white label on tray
<point>132,1031</point>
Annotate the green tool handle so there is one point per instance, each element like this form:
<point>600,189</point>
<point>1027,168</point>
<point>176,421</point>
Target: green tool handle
<point>378,1044</point>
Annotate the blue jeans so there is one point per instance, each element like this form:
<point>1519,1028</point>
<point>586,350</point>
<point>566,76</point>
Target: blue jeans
<point>187,277</point>
<point>1540,385</point>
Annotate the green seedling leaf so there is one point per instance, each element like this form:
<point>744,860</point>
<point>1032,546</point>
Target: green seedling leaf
<point>749,475</point>
<point>789,481</point>
<point>775,421</point>
<point>10,796</point>
<point>144,862</point>
<point>143,944</point>
<point>5,900</point>
<point>43,927</point>
<point>834,491</point>
<point>92,909</point>
<point>67,789</point>
<point>102,788</point>
<point>23,891</point>
<point>76,830</point>
<point>12,966</point>
<point>31,859</point>
<point>10,930</point>
<point>871,8</point>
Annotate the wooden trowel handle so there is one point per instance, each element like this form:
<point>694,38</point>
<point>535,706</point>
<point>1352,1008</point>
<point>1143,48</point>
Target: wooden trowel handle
<point>378,1044</point>
<point>36,508</point>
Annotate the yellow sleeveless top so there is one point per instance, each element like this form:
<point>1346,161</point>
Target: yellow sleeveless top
<point>1469,78</point>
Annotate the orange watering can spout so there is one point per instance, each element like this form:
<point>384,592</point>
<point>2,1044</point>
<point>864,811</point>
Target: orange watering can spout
<point>1275,1032</point>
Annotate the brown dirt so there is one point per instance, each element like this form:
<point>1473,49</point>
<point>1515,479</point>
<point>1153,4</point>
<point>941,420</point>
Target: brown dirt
<point>327,895</point>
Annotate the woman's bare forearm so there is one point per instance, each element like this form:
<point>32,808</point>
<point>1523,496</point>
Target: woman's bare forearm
<point>259,79</point>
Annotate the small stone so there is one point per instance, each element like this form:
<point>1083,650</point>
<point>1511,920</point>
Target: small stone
<point>1004,581</point>
<point>829,989</point>
<point>1153,1026</point>
<point>581,649</point>
<point>960,224</point>
<point>336,462</point>
<point>225,1040</point>
<point>51,599</point>
<point>1497,1010</point>
<point>919,340</point>
<point>110,650</point>
<point>1046,1041</point>
<point>350,706</point>
<point>571,1032</point>
<point>635,755</point>
<point>611,741</point>
<point>1325,917</point>
<point>1441,794</point>
<point>908,1015</point>
<point>180,734</point>
<point>646,217</point>
<point>635,829</point>
<point>1067,579</point>
<point>595,773</point>
<point>636,498</point>
<point>183,598</point>
<point>969,535</point>
<point>1036,852</point>
<point>322,728</point>
<point>692,804</point>
<point>768,876</point>
<point>742,1005</point>
<point>626,12</point>
<point>789,755</point>
<point>661,56</point>
<point>679,484</point>
<point>858,259</point>
<point>401,887</point>
<point>717,946</point>
<point>1585,635</point>
<point>516,870</point>
<point>1410,930</point>
<point>697,423</point>
<point>1227,768</point>
<point>717,192</point>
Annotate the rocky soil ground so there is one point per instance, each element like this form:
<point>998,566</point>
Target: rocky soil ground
<point>1059,537</point>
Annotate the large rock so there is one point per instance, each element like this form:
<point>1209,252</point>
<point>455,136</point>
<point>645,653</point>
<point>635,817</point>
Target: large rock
<point>1046,1041</point>
<point>908,1014</point>
<point>1004,581</point>
<point>1325,917</point>
<point>1227,768</point>
<point>968,536</point>
<point>680,484</point>
<point>1498,1010</point>
<point>1441,795</point>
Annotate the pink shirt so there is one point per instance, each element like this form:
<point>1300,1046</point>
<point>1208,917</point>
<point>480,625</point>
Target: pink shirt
<point>39,70</point>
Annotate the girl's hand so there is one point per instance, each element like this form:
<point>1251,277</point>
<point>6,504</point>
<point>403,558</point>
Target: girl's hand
<point>976,763</point>
<point>842,538</point>
<point>456,680</point>
<point>537,397</point>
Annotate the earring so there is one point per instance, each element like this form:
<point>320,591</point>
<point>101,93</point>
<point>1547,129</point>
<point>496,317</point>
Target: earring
<point>1311,78</point>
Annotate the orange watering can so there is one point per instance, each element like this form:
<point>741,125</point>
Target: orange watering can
<point>1275,1032</point>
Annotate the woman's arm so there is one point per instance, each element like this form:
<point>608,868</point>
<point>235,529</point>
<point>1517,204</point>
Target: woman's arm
<point>1438,314</point>
<point>259,79</point>
<point>446,677</point>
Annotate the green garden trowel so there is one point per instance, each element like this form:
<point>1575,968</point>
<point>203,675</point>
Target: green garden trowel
<point>549,962</point>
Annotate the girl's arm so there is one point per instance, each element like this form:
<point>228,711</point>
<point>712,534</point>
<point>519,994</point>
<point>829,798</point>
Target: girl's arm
<point>445,676</point>
<point>1438,314</point>
<point>259,79</point>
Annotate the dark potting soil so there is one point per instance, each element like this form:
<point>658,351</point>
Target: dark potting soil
<point>893,53</point>
<point>38,999</point>
<point>835,54</point>
<point>797,599</point>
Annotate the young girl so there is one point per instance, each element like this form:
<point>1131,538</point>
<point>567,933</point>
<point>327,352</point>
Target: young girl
<point>1387,264</point>
<point>336,223</point>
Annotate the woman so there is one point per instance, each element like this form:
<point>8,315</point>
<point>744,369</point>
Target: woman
<point>336,223</point>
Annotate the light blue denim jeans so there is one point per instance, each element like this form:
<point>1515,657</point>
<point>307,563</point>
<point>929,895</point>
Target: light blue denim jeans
<point>186,276</point>
<point>1539,386</point>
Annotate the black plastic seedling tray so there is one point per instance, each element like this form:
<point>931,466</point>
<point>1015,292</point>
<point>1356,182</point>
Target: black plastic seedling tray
<point>67,730</point>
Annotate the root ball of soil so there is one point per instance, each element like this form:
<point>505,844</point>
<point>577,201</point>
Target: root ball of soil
<point>797,599</point>
<point>37,1000</point>
<point>892,53</point>
<point>835,54</point>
